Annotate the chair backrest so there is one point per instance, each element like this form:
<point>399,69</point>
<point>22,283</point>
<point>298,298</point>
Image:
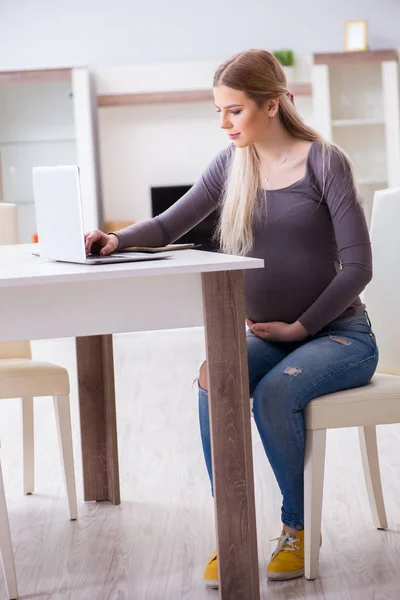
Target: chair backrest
<point>9,236</point>
<point>8,224</point>
<point>382,295</point>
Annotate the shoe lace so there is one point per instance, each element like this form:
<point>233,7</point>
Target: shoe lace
<point>286,543</point>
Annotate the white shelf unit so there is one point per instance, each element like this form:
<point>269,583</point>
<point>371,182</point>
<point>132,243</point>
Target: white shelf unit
<point>47,117</point>
<point>356,105</point>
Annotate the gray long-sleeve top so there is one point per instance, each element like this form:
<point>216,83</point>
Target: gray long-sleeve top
<point>312,236</point>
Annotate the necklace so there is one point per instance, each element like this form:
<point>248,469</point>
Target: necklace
<point>284,159</point>
<point>266,179</point>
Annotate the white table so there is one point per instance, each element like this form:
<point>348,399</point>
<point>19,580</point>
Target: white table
<point>41,299</point>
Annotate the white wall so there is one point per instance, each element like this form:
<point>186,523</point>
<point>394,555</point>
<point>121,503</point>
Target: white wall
<point>99,32</point>
<point>143,146</point>
<point>159,144</point>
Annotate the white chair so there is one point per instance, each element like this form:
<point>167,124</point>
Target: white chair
<point>8,224</point>
<point>7,557</point>
<point>365,407</point>
<point>22,377</point>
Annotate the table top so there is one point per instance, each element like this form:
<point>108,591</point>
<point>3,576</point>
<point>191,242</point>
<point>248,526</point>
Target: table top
<point>19,267</point>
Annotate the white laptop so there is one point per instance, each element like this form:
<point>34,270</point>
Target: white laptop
<point>59,219</point>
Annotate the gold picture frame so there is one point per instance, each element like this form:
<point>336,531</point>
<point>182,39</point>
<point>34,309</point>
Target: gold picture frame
<point>355,36</point>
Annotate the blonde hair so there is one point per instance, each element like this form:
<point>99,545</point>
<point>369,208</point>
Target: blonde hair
<point>260,76</point>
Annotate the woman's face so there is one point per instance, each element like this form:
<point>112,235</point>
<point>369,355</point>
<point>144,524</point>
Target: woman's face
<point>244,121</point>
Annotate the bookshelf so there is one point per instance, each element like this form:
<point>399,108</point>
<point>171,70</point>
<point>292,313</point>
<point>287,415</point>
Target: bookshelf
<point>47,117</point>
<point>356,105</point>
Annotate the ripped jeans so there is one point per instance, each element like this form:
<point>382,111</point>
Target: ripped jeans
<point>284,377</point>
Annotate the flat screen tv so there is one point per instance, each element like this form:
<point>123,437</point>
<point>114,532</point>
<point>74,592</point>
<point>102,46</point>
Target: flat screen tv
<point>162,197</point>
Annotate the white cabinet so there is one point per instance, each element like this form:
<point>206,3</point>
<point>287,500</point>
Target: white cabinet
<point>356,105</point>
<point>47,117</point>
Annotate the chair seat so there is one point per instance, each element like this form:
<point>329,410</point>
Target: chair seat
<point>373,404</point>
<point>24,377</point>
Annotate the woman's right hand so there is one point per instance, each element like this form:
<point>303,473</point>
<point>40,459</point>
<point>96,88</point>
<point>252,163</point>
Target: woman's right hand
<point>98,242</point>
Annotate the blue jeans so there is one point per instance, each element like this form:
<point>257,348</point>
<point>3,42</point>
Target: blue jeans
<point>283,378</point>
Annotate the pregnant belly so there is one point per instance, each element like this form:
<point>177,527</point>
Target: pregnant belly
<point>282,296</point>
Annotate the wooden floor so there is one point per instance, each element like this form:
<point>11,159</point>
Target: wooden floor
<point>155,545</point>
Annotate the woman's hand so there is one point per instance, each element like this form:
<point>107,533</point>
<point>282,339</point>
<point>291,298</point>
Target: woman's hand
<point>277,331</point>
<point>98,242</point>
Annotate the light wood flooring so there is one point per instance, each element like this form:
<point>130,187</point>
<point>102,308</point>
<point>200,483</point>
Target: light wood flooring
<point>155,544</point>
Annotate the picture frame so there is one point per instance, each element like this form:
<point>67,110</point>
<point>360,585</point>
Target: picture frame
<point>355,37</point>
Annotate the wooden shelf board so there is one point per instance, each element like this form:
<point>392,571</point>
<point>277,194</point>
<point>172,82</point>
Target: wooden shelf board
<point>42,141</point>
<point>154,97</point>
<point>353,58</point>
<point>300,89</point>
<point>356,122</point>
<point>62,74</point>
<point>372,182</point>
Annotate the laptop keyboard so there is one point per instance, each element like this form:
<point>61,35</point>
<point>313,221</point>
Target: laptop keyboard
<point>102,257</point>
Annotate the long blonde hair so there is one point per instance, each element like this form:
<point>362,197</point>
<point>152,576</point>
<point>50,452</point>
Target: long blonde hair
<point>260,76</point>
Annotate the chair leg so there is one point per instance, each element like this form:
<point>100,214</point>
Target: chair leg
<point>6,546</point>
<point>314,465</point>
<point>28,444</point>
<point>63,418</point>
<point>370,461</point>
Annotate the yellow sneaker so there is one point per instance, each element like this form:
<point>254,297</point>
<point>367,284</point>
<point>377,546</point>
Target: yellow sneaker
<point>287,562</point>
<point>211,572</point>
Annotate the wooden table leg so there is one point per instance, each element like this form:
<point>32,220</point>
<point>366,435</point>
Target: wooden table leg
<point>229,400</point>
<point>98,418</point>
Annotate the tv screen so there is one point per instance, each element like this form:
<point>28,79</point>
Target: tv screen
<point>162,197</point>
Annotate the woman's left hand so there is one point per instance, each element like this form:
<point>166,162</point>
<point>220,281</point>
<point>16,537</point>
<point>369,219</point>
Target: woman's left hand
<point>277,331</point>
